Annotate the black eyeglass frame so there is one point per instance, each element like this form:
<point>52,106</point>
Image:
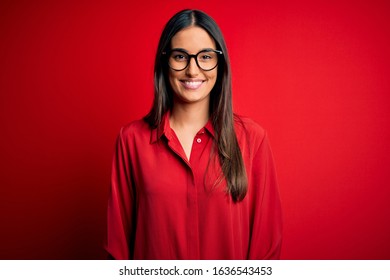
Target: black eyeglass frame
<point>195,56</point>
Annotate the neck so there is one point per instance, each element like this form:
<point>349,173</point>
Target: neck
<point>189,116</point>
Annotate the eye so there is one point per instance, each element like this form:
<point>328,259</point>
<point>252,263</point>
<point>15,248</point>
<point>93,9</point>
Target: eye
<point>178,56</point>
<point>206,56</point>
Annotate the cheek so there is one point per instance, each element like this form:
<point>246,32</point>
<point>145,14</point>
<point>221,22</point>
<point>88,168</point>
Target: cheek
<point>172,79</point>
<point>212,77</point>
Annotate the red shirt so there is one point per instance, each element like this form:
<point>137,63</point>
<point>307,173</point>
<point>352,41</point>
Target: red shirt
<point>162,206</point>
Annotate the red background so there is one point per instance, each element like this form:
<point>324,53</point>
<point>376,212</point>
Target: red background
<point>314,75</point>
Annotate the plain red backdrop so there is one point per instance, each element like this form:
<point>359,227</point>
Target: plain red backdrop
<point>314,74</point>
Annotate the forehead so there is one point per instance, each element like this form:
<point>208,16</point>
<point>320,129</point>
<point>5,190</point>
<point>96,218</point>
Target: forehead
<point>192,39</point>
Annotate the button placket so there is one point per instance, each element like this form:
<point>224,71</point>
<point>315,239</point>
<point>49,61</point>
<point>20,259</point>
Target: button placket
<point>198,137</point>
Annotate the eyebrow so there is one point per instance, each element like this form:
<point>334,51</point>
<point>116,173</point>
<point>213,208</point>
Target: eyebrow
<point>186,51</point>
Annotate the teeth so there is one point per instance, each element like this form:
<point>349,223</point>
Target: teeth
<point>193,83</point>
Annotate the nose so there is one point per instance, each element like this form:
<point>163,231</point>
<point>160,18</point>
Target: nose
<point>192,68</point>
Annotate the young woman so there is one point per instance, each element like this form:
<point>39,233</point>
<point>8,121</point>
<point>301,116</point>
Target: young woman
<point>192,180</point>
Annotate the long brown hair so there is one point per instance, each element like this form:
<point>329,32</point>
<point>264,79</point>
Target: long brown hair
<point>221,109</point>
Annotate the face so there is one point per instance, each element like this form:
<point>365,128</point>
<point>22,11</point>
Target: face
<point>192,85</point>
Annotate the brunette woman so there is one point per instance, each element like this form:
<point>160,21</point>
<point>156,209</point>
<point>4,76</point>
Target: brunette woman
<point>192,180</point>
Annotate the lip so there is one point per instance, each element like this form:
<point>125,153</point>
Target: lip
<point>192,84</point>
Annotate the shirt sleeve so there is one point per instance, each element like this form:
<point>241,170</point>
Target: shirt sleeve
<point>120,214</point>
<point>266,235</point>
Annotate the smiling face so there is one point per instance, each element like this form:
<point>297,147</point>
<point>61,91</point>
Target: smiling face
<point>192,85</point>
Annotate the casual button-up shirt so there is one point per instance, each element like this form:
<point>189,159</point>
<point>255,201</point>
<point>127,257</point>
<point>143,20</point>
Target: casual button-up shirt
<point>164,206</point>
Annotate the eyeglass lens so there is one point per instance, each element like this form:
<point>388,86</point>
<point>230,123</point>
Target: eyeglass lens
<point>206,60</point>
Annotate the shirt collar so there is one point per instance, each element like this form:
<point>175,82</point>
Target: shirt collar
<point>210,128</point>
<point>165,129</point>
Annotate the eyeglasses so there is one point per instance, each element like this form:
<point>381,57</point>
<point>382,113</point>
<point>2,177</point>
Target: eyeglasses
<point>179,59</point>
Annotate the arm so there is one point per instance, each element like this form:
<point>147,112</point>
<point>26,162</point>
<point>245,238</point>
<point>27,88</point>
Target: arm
<point>120,214</point>
<point>266,235</point>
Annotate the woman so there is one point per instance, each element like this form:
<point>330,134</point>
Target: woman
<point>191,180</point>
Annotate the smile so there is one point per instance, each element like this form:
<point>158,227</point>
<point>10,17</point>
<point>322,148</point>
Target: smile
<point>192,84</point>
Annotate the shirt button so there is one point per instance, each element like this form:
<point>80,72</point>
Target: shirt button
<point>199,140</point>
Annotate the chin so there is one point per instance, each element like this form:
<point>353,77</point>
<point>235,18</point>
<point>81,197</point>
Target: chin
<point>192,96</point>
